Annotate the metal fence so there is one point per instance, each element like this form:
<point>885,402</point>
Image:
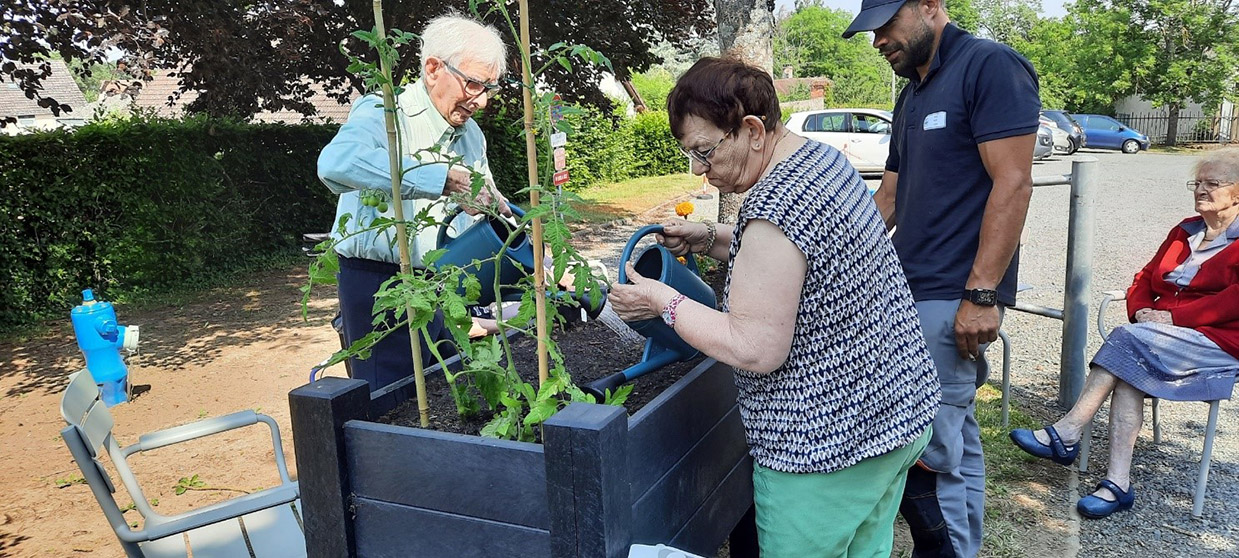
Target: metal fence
<point>1192,128</point>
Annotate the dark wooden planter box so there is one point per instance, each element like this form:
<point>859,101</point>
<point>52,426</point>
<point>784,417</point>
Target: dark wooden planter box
<point>676,472</point>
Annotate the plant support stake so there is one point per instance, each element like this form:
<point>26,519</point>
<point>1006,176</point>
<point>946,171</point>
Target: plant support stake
<point>402,239</point>
<point>531,151</point>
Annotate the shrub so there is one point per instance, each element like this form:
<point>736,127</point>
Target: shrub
<point>604,147</point>
<point>503,126</point>
<point>654,85</point>
<point>655,151</point>
<point>148,203</point>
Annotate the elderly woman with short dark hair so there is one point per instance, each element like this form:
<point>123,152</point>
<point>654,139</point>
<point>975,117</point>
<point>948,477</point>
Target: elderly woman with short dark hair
<point>1182,342</point>
<point>836,386</point>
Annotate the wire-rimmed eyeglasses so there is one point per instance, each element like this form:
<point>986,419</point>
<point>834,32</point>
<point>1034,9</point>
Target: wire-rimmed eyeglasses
<point>703,157</point>
<point>473,86</point>
<point>1208,185</point>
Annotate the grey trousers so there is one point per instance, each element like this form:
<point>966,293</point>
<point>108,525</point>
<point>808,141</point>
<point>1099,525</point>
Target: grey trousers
<point>944,501</point>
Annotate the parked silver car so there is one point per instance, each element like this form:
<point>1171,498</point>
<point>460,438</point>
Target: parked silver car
<point>1045,143</point>
<point>1064,121</point>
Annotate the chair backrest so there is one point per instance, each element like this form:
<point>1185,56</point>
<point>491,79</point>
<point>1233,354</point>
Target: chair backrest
<point>81,407</point>
<point>78,397</point>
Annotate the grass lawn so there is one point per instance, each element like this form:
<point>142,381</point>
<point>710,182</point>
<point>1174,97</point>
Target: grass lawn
<point>1185,149</point>
<point>617,200</point>
<point>1013,518</point>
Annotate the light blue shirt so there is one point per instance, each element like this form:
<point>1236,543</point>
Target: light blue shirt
<point>357,159</point>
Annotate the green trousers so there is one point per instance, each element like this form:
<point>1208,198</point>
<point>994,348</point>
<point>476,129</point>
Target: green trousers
<point>846,513</point>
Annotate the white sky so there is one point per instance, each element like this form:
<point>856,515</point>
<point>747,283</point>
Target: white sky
<point>1049,8</point>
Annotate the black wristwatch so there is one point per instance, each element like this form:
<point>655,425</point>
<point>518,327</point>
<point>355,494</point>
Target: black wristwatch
<point>982,297</point>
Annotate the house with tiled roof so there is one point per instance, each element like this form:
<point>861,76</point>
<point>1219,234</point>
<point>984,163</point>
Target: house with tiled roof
<point>157,96</point>
<point>30,116</point>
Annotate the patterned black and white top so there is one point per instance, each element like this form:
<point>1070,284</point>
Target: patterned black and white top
<point>859,381</point>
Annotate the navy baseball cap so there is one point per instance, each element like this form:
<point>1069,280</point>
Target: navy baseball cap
<point>873,14</point>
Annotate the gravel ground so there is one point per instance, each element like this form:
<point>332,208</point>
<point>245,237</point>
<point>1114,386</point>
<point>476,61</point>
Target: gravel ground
<point>1139,198</point>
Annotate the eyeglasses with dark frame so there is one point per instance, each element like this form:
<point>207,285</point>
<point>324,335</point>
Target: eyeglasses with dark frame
<point>1209,185</point>
<point>473,86</point>
<point>703,157</point>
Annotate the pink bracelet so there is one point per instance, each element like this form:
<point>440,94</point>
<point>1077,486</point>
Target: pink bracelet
<point>668,314</point>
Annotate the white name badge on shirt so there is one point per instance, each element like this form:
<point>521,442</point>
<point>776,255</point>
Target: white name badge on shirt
<point>935,121</point>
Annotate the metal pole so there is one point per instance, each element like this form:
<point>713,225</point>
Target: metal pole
<point>1078,284</point>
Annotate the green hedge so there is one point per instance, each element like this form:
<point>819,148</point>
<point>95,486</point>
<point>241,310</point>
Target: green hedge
<point>604,147</point>
<point>126,206</point>
<point>130,205</point>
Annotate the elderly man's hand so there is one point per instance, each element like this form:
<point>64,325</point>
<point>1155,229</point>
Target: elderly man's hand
<point>642,300</point>
<point>459,186</point>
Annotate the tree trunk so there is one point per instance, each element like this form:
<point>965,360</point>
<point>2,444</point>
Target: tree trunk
<point>746,32</point>
<point>1172,125</point>
<point>638,104</point>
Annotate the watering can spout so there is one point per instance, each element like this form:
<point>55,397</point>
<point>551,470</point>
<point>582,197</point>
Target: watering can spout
<point>663,345</point>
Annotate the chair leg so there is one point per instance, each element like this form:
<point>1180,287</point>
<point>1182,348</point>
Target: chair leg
<point>1157,422</point>
<point>1198,499</point>
<point>1006,377</point>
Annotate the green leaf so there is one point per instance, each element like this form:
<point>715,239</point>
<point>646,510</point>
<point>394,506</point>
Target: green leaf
<point>619,396</point>
<point>429,259</point>
<point>541,411</point>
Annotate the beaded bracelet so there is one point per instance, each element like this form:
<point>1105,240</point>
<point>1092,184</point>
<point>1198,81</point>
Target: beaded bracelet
<point>711,231</point>
<point>668,313</point>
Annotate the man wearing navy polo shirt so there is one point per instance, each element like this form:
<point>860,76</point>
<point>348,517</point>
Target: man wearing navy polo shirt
<point>957,185</point>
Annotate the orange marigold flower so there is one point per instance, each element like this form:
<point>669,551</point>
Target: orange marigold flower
<point>684,209</point>
<point>681,260</point>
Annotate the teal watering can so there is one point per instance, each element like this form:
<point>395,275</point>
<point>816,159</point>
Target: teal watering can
<point>662,345</point>
<point>481,241</point>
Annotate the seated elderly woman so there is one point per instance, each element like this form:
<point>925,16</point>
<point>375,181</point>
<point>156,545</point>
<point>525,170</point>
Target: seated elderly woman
<point>1182,344</point>
<point>836,386</point>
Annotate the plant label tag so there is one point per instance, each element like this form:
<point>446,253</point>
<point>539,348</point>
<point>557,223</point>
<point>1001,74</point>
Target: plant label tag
<point>561,158</point>
<point>559,139</point>
<point>560,178</point>
<point>935,121</point>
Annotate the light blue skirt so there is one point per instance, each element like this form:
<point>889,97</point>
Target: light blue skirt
<point>1169,362</point>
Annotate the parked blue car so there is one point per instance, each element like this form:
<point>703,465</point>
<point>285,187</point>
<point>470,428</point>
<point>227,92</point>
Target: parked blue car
<point>1103,132</point>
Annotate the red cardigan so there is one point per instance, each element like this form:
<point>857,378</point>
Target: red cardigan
<point>1209,304</point>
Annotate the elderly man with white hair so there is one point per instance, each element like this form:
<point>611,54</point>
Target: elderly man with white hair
<point>461,62</point>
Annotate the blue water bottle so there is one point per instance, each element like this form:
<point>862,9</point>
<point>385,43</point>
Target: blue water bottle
<point>101,339</point>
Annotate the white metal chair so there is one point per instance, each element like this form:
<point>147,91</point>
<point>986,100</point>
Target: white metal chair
<point>265,523</point>
<point>1198,498</point>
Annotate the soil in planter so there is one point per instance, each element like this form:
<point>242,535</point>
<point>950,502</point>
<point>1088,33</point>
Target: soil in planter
<point>591,351</point>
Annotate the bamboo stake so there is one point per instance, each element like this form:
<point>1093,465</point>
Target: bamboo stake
<point>402,238</point>
<point>531,151</point>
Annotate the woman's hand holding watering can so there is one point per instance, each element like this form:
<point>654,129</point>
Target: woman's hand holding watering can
<point>643,299</point>
<point>684,237</point>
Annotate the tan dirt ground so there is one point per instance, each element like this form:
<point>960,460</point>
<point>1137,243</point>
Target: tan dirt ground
<point>230,349</point>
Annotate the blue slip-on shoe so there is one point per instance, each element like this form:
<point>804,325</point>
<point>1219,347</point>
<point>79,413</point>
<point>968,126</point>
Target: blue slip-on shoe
<point>1096,507</point>
<point>1056,451</point>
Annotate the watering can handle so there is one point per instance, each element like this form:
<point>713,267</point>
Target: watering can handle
<point>691,261</point>
<point>444,240</point>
